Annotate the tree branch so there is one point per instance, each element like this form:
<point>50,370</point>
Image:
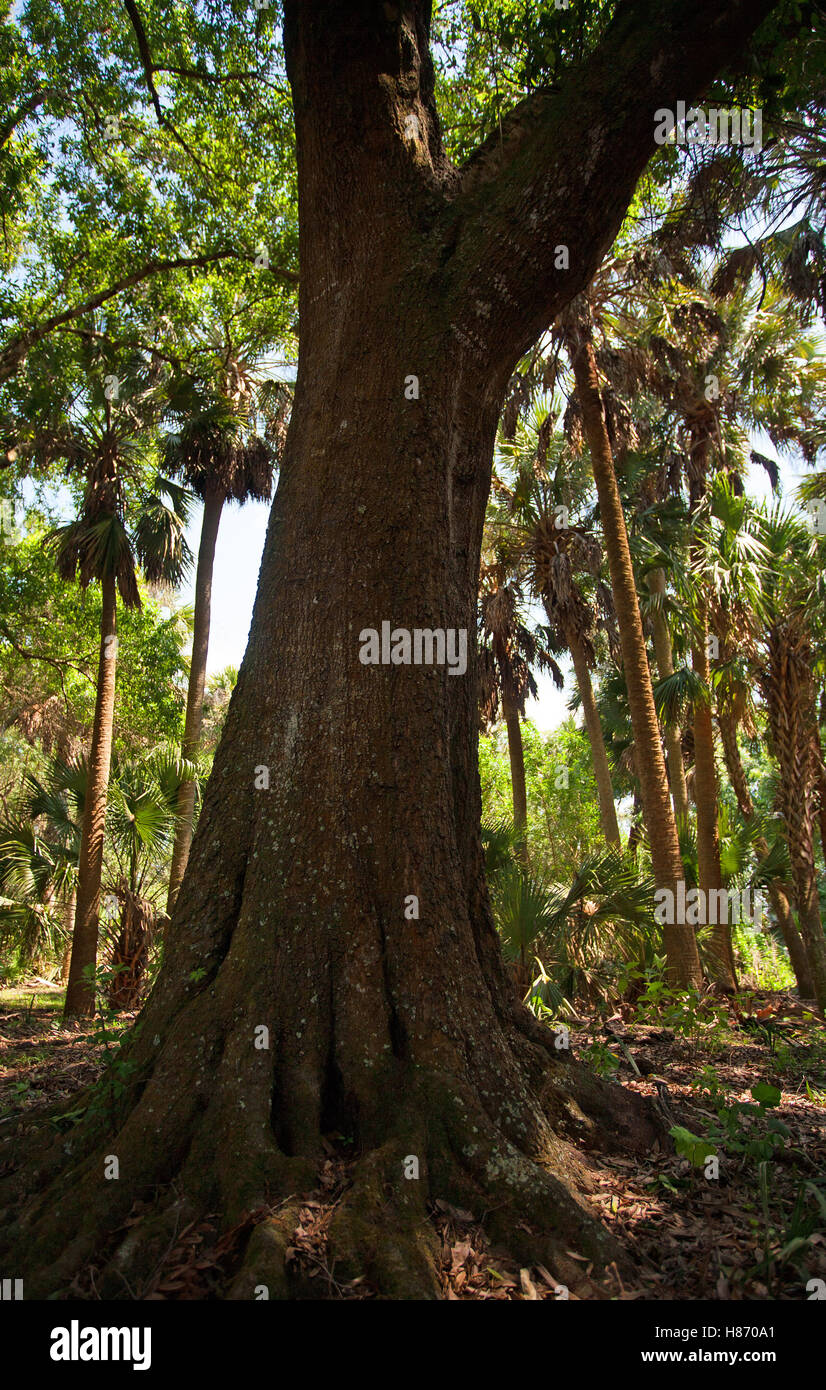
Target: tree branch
<point>149,70</point>
<point>27,108</point>
<point>564,170</point>
<point>59,665</point>
<point>14,354</point>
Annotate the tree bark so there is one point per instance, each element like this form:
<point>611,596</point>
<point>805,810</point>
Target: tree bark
<point>69,920</point>
<point>599,757</point>
<point>709,873</point>
<point>341,790</point>
<point>213,507</point>
<point>679,939</point>
<point>665,667</point>
<point>820,774</point>
<point>788,688</point>
<point>80,991</point>
<point>516,754</point>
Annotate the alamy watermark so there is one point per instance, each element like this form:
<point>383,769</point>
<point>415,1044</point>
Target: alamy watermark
<point>695,907</point>
<point>712,127</point>
<point>423,646</point>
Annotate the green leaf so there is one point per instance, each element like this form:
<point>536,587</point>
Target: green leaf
<point>766,1095</point>
<point>691,1146</point>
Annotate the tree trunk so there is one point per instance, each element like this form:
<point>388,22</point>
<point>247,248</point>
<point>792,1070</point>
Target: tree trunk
<point>71,910</point>
<point>213,506</point>
<point>789,695</point>
<point>80,991</point>
<point>130,953</point>
<point>820,775</point>
<point>679,939</point>
<point>779,892</point>
<point>516,754</point>
<point>665,667</point>
<point>299,997</point>
<point>599,757</point>
<point>709,873</point>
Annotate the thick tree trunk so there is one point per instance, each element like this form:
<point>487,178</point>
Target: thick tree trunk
<point>779,892</point>
<point>516,754</point>
<point>665,667</point>
<point>709,874</point>
<point>299,996</point>
<point>679,939</point>
<point>599,757</point>
<point>80,991</point>
<point>213,506</point>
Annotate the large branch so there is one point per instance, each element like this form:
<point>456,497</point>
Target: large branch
<point>564,168</point>
<point>27,108</point>
<point>149,70</point>
<point>14,354</point>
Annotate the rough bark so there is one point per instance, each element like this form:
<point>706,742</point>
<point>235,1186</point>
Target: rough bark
<point>213,507</point>
<point>665,667</point>
<point>703,429</point>
<point>69,923</point>
<point>516,755</point>
<point>401,1034</point>
<point>789,691</point>
<point>779,892</point>
<point>599,757</point>
<point>709,873</point>
<point>820,775</point>
<point>679,939</point>
<point>80,991</point>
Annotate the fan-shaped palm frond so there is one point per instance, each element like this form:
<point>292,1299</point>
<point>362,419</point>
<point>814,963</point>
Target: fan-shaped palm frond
<point>90,550</point>
<point>677,693</point>
<point>500,840</point>
<point>160,542</point>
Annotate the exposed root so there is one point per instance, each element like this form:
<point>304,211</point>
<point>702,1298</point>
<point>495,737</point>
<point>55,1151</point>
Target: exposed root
<point>216,1150</point>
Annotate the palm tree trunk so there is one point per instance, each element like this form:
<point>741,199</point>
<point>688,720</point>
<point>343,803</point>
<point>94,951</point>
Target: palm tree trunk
<point>69,920</point>
<point>706,789</point>
<point>821,793</point>
<point>788,688</point>
<point>80,991</point>
<point>634,836</point>
<point>213,506</point>
<point>599,757</point>
<point>665,667</point>
<point>779,892</point>
<point>519,790</point>
<point>679,939</point>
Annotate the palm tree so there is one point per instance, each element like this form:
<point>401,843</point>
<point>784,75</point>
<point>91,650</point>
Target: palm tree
<point>561,563</point>
<point>39,842</point>
<point>106,449</point>
<point>556,555</point>
<point>531,524</point>
<point>679,938</point>
<point>141,824</point>
<point>221,458</point>
<point>508,650</point>
<point>731,562</point>
<point>715,368</point>
<point>663,651</point>
<point>787,683</point>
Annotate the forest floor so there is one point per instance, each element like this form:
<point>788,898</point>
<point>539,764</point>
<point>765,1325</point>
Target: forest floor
<point>742,1084</point>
